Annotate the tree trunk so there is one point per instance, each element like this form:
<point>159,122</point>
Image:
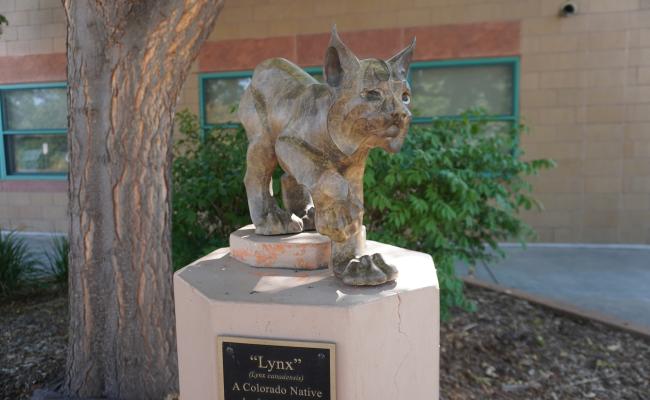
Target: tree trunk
<point>127,60</point>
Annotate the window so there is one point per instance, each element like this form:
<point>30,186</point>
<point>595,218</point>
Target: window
<point>446,89</point>
<point>220,94</point>
<point>441,90</point>
<point>33,127</point>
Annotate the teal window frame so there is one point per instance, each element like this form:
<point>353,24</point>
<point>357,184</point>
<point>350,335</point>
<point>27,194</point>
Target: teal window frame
<point>514,62</point>
<point>4,175</point>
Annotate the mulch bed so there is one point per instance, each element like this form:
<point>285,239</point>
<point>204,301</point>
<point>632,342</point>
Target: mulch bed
<point>33,335</point>
<point>512,349</point>
<point>508,349</point>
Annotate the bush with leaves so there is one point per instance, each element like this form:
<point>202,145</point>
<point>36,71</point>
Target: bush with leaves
<point>17,263</point>
<point>209,198</point>
<point>453,191</point>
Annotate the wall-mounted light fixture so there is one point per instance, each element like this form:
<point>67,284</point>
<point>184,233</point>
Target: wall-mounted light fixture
<point>568,9</point>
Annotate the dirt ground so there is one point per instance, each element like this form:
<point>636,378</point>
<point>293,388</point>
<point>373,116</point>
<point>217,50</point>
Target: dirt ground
<point>508,349</point>
<point>511,349</point>
<point>33,334</point>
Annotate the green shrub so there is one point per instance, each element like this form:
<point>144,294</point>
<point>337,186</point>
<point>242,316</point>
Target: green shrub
<point>453,191</point>
<point>209,198</point>
<point>17,263</point>
<point>57,261</point>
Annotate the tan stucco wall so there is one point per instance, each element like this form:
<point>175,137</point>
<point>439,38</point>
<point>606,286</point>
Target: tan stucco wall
<point>585,89</point>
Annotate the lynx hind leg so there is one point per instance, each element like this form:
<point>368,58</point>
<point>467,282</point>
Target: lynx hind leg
<point>297,200</point>
<point>268,217</point>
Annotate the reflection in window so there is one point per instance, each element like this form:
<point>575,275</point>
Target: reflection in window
<point>35,109</point>
<point>221,98</point>
<point>37,154</point>
<point>449,91</point>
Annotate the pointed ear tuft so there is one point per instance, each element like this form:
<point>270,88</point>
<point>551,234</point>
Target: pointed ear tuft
<point>339,60</point>
<point>400,62</point>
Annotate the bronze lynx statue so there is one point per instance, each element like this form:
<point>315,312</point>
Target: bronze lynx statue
<point>320,134</point>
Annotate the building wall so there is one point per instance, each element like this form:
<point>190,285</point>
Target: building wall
<point>32,49</point>
<point>585,91</point>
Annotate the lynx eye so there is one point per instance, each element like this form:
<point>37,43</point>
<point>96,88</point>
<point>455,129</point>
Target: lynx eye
<point>406,99</point>
<point>372,95</point>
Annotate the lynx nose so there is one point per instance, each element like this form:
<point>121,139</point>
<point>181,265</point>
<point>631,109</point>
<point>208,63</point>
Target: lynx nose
<point>399,117</point>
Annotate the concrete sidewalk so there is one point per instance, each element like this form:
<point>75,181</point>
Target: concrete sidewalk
<point>613,280</point>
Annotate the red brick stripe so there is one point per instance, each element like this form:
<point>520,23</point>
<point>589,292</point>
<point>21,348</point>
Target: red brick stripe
<point>33,68</point>
<point>231,55</point>
<point>491,39</point>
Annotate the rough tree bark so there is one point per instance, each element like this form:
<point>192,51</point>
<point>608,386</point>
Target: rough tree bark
<point>127,60</point>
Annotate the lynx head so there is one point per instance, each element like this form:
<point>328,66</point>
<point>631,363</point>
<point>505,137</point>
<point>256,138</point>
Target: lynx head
<point>371,98</point>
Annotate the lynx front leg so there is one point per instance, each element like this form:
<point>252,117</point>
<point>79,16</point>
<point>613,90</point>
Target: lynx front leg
<point>268,217</point>
<point>349,261</point>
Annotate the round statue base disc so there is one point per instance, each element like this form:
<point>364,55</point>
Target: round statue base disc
<point>305,250</point>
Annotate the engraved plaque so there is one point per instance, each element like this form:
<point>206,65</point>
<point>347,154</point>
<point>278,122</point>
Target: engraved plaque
<point>261,369</point>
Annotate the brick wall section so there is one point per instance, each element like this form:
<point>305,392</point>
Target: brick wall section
<point>34,211</point>
<point>35,27</point>
<point>584,95</point>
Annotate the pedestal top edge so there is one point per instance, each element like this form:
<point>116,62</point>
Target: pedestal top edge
<point>222,278</point>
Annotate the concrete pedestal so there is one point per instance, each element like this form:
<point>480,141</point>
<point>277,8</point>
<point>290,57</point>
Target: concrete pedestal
<point>387,337</point>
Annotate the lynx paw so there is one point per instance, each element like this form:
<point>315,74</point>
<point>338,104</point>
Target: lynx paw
<point>367,271</point>
<point>279,222</point>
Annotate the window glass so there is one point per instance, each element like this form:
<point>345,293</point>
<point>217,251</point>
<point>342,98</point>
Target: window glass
<point>36,153</point>
<point>32,109</point>
<point>221,98</point>
<point>449,91</point>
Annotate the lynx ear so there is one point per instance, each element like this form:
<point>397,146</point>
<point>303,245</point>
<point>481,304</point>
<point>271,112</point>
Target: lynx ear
<point>339,60</point>
<point>400,62</point>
